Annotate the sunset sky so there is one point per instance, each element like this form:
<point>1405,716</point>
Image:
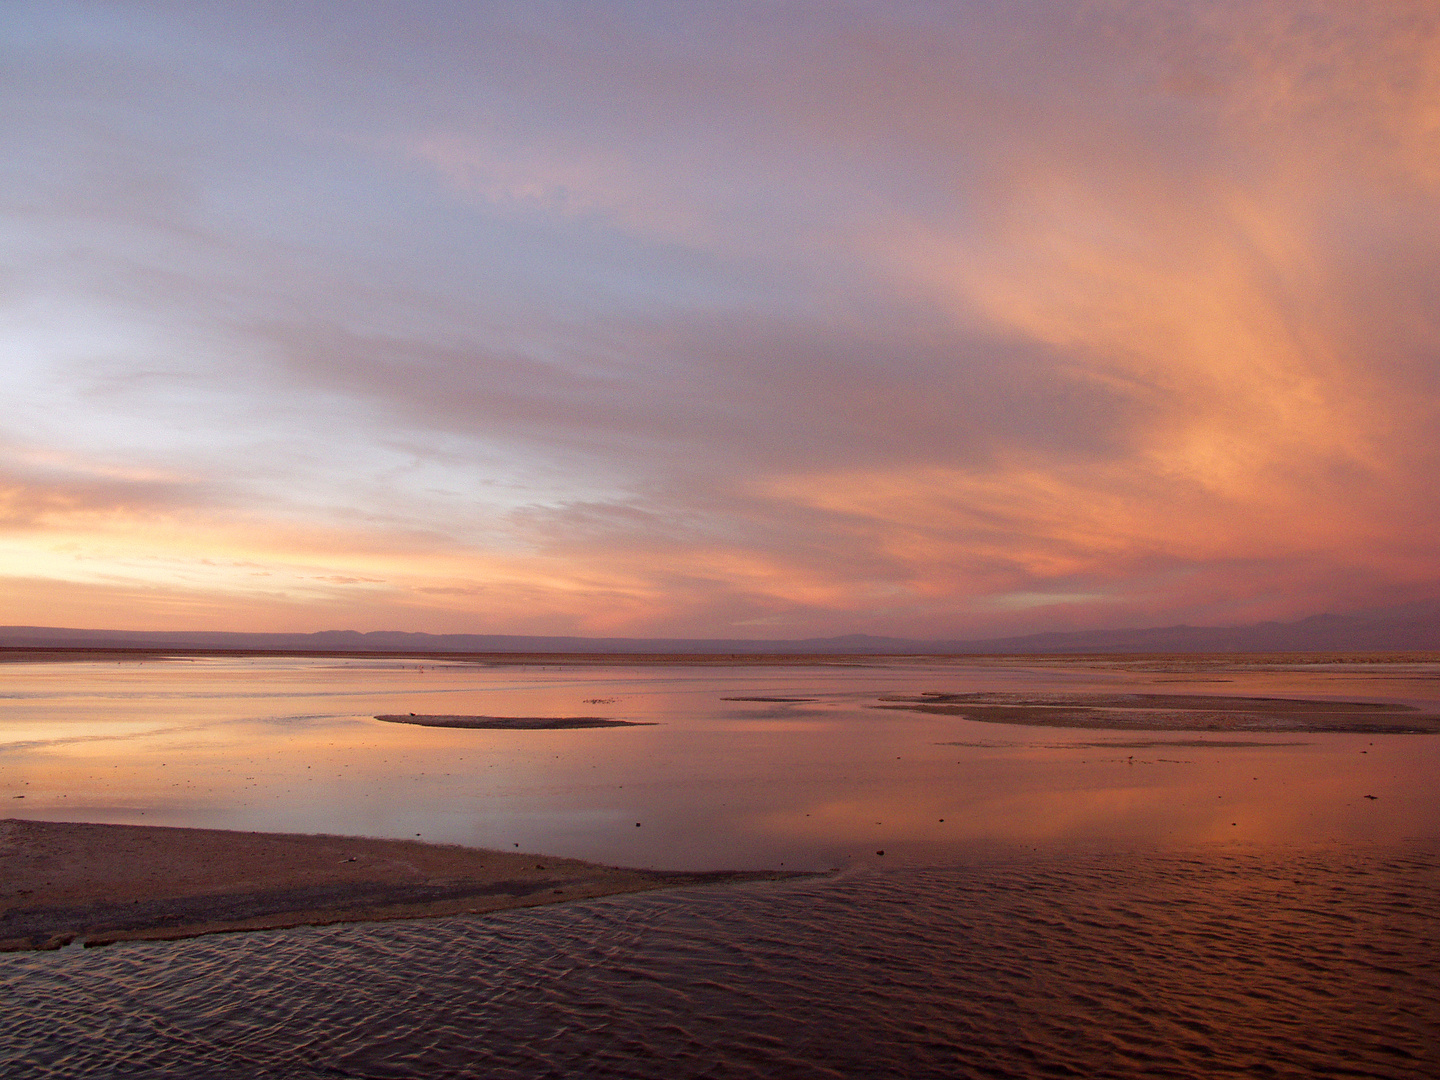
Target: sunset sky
<point>733,320</point>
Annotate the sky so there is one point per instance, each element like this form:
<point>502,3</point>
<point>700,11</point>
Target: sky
<point>720,320</point>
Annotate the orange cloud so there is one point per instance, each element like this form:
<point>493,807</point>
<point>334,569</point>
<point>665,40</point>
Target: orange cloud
<point>919,320</point>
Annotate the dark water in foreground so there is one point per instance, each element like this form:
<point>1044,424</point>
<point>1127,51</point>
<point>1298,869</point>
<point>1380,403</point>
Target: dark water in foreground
<point>1272,962</point>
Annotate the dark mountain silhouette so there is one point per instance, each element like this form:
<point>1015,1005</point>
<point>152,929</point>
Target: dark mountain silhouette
<point>1409,627</point>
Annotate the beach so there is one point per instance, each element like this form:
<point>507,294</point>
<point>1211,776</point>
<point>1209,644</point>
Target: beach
<point>64,882</point>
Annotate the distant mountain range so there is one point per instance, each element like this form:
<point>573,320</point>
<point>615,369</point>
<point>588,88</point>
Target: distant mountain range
<point>1410,627</point>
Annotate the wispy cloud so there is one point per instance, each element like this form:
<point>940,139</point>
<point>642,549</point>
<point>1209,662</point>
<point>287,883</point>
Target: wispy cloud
<point>654,318</point>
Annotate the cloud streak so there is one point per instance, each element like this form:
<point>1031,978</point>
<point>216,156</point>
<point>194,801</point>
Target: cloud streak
<point>647,319</point>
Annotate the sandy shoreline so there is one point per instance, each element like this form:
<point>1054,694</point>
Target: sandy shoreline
<point>33,655</point>
<point>64,882</point>
<point>1172,712</point>
<point>1124,661</point>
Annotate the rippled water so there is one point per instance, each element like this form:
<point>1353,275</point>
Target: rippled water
<point>1050,901</point>
<point>1195,964</point>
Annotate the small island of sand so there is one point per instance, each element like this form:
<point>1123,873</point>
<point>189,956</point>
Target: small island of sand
<point>64,882</point>
<point>510,723</point>
<point>1172,712</point>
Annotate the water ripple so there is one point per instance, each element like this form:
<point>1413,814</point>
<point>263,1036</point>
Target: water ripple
<point>1267,964</point>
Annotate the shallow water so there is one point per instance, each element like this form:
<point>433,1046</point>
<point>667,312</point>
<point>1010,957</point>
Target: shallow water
<point>1092,903</point>
<point>1196,964</point>
<point>290,746</point>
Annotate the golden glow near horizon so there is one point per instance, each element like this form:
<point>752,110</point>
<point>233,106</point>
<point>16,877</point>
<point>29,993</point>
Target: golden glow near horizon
<point>877,318</point>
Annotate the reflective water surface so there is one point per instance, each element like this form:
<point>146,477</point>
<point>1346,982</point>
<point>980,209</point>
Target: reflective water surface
<point>1049,901</point>
<point>290,745</point>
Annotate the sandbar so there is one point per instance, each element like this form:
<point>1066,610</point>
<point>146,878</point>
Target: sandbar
<point>73,882</point>
<point>510,723</point>
<point>772,700</point>
<point>1173,712</point>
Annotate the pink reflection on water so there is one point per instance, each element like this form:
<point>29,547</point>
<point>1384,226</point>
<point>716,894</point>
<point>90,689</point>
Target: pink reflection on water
<point>289,745</point>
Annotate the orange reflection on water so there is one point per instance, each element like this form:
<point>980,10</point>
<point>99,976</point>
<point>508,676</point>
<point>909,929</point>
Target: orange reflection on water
<point>289,745</point>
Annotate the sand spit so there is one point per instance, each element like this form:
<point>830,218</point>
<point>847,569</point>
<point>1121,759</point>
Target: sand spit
<point>510,723</point>
<point>63,882</point>
<point>773,700</point>
<point>1173,712</point>
<point>28,655</point>
<point>11,655</point>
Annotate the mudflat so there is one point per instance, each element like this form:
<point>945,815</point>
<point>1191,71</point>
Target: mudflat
<point>509,723</point>
<point>1173,712</point>
<point>64,882</point>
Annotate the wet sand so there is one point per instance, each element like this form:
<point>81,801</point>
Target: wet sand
<point>78,654</point>
<point>1173,712</point>
<point>509,723</point>
<point>64,882</point>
